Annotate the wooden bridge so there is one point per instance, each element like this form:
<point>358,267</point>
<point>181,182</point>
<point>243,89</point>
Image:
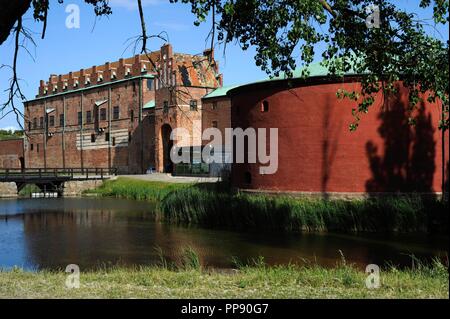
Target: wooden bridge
<point>53,178</point>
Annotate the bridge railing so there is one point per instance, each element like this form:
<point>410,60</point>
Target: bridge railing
<point>69,173</point>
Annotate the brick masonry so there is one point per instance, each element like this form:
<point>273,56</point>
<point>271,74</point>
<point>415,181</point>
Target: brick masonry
<point>116,129</point>
<point>11,153</point>
<point>317,153</point>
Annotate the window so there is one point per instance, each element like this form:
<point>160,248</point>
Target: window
<point>166,107</point>
<point>129,136</point>
<point>113,141</point>
<point>37,148</point>
<point>31,147</point>
<point>29,125</point>
<point>93,138</point>
<point>149,85</point>
<point>247,178</point>
<point>132,115</point>
<point>61,120</point>
<point>51,120</point>
<point>80,118</point>
<point>214,124</point>
<point>102,114</point>
<point>214,106</point>
<point>116,113</point>
<point>107,137</point>
<point>41,122</point>
<point>193,105</point>
<point>35,123</point>
<point>265,107</point>
<point>88,117</point>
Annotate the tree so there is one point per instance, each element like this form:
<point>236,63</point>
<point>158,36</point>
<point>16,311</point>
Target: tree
<point>391,46</point>
<point>396,48</point>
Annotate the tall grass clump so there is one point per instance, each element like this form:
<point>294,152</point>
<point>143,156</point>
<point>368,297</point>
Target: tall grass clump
<point>138,190</point>
<point>248,211</point>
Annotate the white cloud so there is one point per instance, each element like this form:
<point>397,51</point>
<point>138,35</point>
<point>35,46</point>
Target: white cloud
<point>132,4</point>
<point>9,128</point>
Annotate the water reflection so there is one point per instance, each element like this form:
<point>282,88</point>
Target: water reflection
<point>52,233</point>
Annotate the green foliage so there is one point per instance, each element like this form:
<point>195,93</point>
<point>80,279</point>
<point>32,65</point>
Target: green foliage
<point>28,190</point>
<point>135,189</point>
<point>9,134</point>
<point>216,205</point>
<point>245,211</point>
<point>250,281</point>
<point>398,49</point>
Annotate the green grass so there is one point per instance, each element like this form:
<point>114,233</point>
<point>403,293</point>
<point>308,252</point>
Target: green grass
<point>136,189</point>
<point>195,205</point>
<point>256,281</point>
<point>28,190</point>
<point>215,205</point>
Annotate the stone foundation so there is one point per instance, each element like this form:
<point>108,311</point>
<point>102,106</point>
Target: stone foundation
<point>8,190</point>
<point>76,188</point>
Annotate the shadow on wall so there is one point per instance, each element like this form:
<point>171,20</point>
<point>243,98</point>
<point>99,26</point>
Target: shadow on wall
<point>139,153</point>
<point>408,161</point>
<point>330,139</point>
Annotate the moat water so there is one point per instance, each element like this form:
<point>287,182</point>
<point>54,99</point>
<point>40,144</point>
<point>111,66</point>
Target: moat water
<point>90,232</point>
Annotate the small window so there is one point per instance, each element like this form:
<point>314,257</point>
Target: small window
<point>61,120</point>
<point>193,105</point>
<point>41,122</point>
<point>149,85</point>
<point>131,115</point>
<point>113,141</point>
<point>37,148</point>
<point>102,114</point>
<point>35,123</point>
<point>166,107</point>
<point>129,136</point>
<point>116,113</point>
<point>80,118</point>
<point>247,178</point>
<point>51,120</point>
<point>31,147</point>
<point>214,106</point>
<point>214,124</point>
<point>107,137</point>
<point>88,117</point>
<point>265,107</point>
<point>93,138</point>
<point>29,125</point>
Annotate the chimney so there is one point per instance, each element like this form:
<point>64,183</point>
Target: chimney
<point>41,87</point>
<point>209,53</point>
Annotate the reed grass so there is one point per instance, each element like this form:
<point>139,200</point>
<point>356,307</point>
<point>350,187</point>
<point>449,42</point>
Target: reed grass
<point>248,211</point>
<point>256,280</point>
<point>215,205</point>
<point>135,189</point>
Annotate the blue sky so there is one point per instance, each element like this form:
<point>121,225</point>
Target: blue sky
<point>100,40</point>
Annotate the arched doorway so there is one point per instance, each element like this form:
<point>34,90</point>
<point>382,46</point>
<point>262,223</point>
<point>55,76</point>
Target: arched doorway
<point>167,145</point>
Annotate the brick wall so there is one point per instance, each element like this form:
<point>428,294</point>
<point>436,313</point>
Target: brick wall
<point>318,153</point>
<point>11,153</point>
<point>216,112</point>
<point>132,143</point>
<point>101,140</point>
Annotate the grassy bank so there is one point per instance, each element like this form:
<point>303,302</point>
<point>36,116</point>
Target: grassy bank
<point>136,189</point>
<point>247,282</point>
<point>214,205</point>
